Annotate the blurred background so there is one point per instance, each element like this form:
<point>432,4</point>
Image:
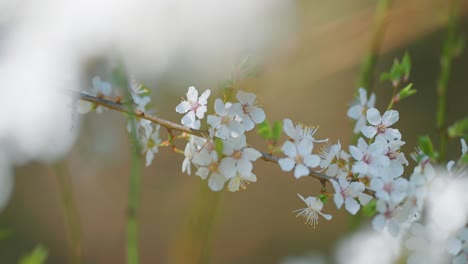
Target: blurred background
<point>308,56</point>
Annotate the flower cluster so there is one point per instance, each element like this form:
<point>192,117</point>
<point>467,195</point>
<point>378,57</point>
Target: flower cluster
<point>224,156</point>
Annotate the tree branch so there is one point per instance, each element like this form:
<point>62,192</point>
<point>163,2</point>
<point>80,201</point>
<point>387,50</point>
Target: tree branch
<point>119,106</point>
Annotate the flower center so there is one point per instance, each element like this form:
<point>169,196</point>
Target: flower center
<point>388,214</point>
<point>388,187</point>
<point>246,109</point>
<point>213,167</point>
<point>299,159</point>
<point>225,120</point>
<point>237,155</point>
<point>367,159</point>
<point>194,106</point>
<point>381,129</point>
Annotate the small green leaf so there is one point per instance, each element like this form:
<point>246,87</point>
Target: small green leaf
<point>370,209</point>
<point>37,256</point>
<point>425,144</point>
<point>459,129</point>
<point>264,130</point>
<point>323,198</point>
<point>406,65</point>
<point>406,92</point>
<point>277,130</point>
<point>219,146</point>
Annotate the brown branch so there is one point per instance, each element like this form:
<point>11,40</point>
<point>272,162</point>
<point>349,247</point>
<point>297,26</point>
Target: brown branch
<point>118,106</point>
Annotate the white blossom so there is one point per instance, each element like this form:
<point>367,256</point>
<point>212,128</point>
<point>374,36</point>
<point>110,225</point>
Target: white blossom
<point>193,107</point>
<point>380,124</point>
<point>225,123</point>
<point>99,87</point>
<point>151,145</point>
<point>239,181</point>
<point>238,158</point>
<point>389,189</point>
<point>210,167</point>
<point>346,192</point>
<point>251,113</point>
<point>386,218</point>
<point>299,157</point>
<point>299,131</point>
<point>358,110</point>
<point>312,211</point>
<point>369,159</point>
<point>334,160</point>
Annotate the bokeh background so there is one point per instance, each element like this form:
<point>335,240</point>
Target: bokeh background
<point>308,71</point>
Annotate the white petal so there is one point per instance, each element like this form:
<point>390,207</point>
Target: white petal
<point>216,182</point>
<point>214,121</point>
<point>392,134</point>
<point>355,112</point>
<point>378,223</point>
<point>390,117</point>
<point>183,107</point>
<point>186,166</point>
<point>83,107</point>
<point>248,123</point>
<point>244,167</point>
<point>362,96</point>
<point>373,116</point>
<point>359,124</point>
<point>360,167</point>
<point>228,167</point>
<point>245,97</point>
<point>393,227</point>
<point>202,172</point>
<point>371,101</point>
<point>201,110</point>
<point>286,164</point>
<point>369,131</point>
<point>364,198</point>
<point>289,149</point>
<point>258,115</point>
<point>251,177</point>
<point>312,160</point>
<point>188,119</point>
<point>219,107</point>
<point>355,152</point>
<point>288,128</point>
<point>338,199</point>
<point>251,154</point>
<point>300,171</point>
<point>464,147</point>
<point>223,132</point>
<point>236,128</point>
<point>149,157</point>
<point>326,216</point>
<point>204,97</point>
<point>192,94</point>
<point>351,205</point>
<point>305,147</point>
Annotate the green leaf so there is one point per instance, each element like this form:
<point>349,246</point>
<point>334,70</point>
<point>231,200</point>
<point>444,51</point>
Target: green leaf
<point>459,129</point>
<point>264,130</point>
<point>406,92</point>
<point>406,65</point>
<point>277,130</point>
<point>219,146</point>
<point>37,256</point>
<point>370,209</point>
<point>323,198</point>
<point>425,144</point>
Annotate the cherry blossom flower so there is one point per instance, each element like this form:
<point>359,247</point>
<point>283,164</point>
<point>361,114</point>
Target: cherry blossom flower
<point>191,149</point>
<point>251,114</point>
<point>390,189</point>
<point>386,218</point>
<point>346,192</point>
<point>152,145</point>
<point>380,124</point>
<point>312,211</point>
<point>210,167</point>
<point>238,158</point>
<point>139,93</point>
<point>358,110</point>
<point>300,131</point>
<point>299,157</point>
<point>397,158</point>
<point>239,181</point>
<point>194,107</point>
<point>225,123</point>
<point>334,159</point>
<point>369,159</point>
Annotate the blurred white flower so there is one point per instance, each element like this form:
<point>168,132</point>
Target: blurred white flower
<point>358,110</point>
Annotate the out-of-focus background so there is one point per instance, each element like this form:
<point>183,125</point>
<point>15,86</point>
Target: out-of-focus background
<point>307,71</point>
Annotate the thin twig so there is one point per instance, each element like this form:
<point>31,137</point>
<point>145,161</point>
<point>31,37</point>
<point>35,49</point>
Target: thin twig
<point>174,126</point>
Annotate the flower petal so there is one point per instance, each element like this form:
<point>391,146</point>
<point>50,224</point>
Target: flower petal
<point>373,116</point>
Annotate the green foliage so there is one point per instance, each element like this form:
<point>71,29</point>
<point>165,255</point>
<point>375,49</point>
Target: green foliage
<point>399,72</point>
<point>219,146</point>
<point>323,197</point>
<point>370,209</point>
<point>37,256</point>
<point>268,132</point>
<point>425,144</point>
<point>406,92</point>
<point>459,128</point>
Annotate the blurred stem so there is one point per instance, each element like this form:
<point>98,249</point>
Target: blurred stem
<point>367,69</point>
<point>134,187</point>
<point>448,52</point>
<point>195,245</point>
<point>70,212</point>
